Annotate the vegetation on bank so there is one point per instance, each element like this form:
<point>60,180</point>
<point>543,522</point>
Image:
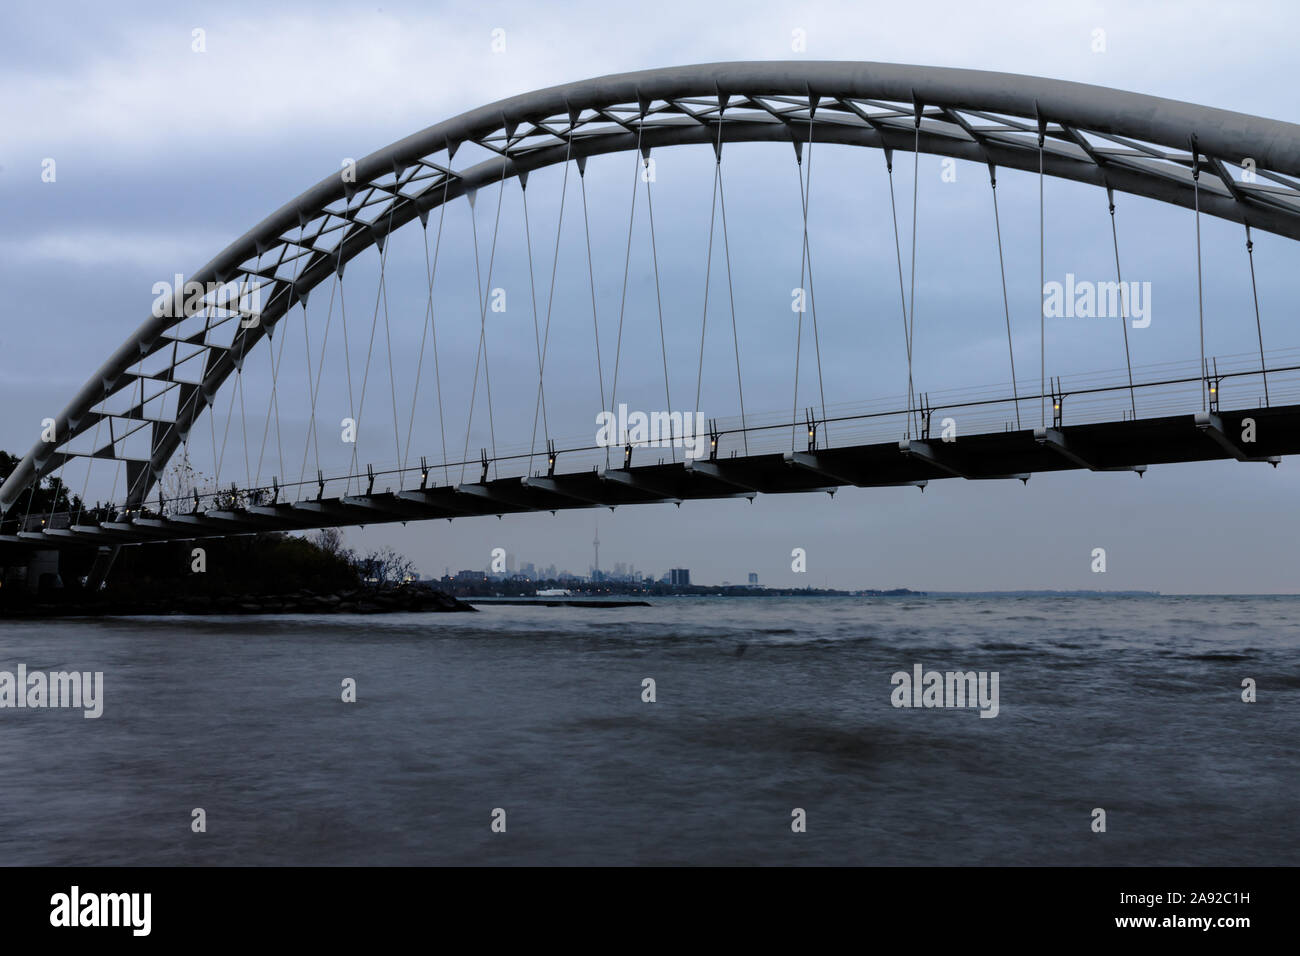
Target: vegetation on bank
<point>274,570</point>
<point>251,574</point>
<point>51,495</point>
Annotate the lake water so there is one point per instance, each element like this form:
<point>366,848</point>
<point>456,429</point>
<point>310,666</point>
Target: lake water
<point>762,706</point>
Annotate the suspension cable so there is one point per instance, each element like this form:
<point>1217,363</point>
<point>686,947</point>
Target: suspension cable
<point>365,378</point>
<point>482,353</point>
<point>430,272</point>
<point>225,437</point>
<point>239,385</point>
<point>273,407</point>
<point>277,359</point>
<point>94,447</point>
<point>911,322</point>
<point>902,292</point>
<point>1042,280</point>
<point>731,295</point>
<point>1200,295</point>
<point>313,389</point>
<point>550,300</point>
<point>243,416</point>
<point>627,261</point>
<point>388,340</point>
<point>537,329</point>
<point>1123,312</point>
<point>238,388</point>
<point>1006,301</point>
<point>708,262</point>
<point>659,305</point>
<point>591,280</point>
<point>347,358</point>
<point>806,197</point>
<point>798,335</point>
<point>1250,254</point>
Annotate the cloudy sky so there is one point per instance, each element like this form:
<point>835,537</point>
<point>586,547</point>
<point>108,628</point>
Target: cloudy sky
<point>165,155</point>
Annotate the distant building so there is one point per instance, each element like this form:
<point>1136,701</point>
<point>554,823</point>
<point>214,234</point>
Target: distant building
<point>753,579</point>
<point>680,577</point>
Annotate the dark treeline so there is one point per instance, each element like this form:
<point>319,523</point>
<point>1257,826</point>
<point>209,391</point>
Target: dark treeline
<point>50,496</point>
<point>215,571</point>
<point>261,564</point>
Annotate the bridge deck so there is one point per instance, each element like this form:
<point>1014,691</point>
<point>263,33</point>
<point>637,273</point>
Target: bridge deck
<point>1112,446</point>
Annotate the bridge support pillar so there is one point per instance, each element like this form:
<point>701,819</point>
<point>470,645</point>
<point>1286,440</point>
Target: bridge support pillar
<point>103,564</point>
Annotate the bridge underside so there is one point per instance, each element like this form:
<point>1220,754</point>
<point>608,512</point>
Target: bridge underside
<point>1113,446</point>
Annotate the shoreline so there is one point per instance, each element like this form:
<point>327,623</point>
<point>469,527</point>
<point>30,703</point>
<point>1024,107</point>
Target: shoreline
<point>352,601</point>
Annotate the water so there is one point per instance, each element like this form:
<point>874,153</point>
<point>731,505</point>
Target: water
<point>1132,705</point>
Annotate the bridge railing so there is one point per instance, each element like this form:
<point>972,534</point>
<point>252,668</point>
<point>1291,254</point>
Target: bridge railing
<point>1172,389</point>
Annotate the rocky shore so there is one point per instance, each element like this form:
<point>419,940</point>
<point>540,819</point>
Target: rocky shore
<point>355,601</point>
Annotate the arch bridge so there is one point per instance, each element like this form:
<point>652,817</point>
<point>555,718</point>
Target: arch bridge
<point>138,419</point>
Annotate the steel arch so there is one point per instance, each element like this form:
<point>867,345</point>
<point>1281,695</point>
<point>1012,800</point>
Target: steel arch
<point>1144,145</point>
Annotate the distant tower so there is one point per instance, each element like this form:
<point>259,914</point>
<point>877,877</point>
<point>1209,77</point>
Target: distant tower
<point>596,544</point>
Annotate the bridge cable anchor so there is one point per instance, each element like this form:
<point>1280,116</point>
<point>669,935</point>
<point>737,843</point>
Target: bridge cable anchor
<point>1058,402</point>
<point>1212,383</point>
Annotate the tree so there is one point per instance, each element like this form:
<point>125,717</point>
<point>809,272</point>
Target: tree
<point>329,540</point>
<point>384,566</point>
<point>51,496</point>
<point>179,482</point>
